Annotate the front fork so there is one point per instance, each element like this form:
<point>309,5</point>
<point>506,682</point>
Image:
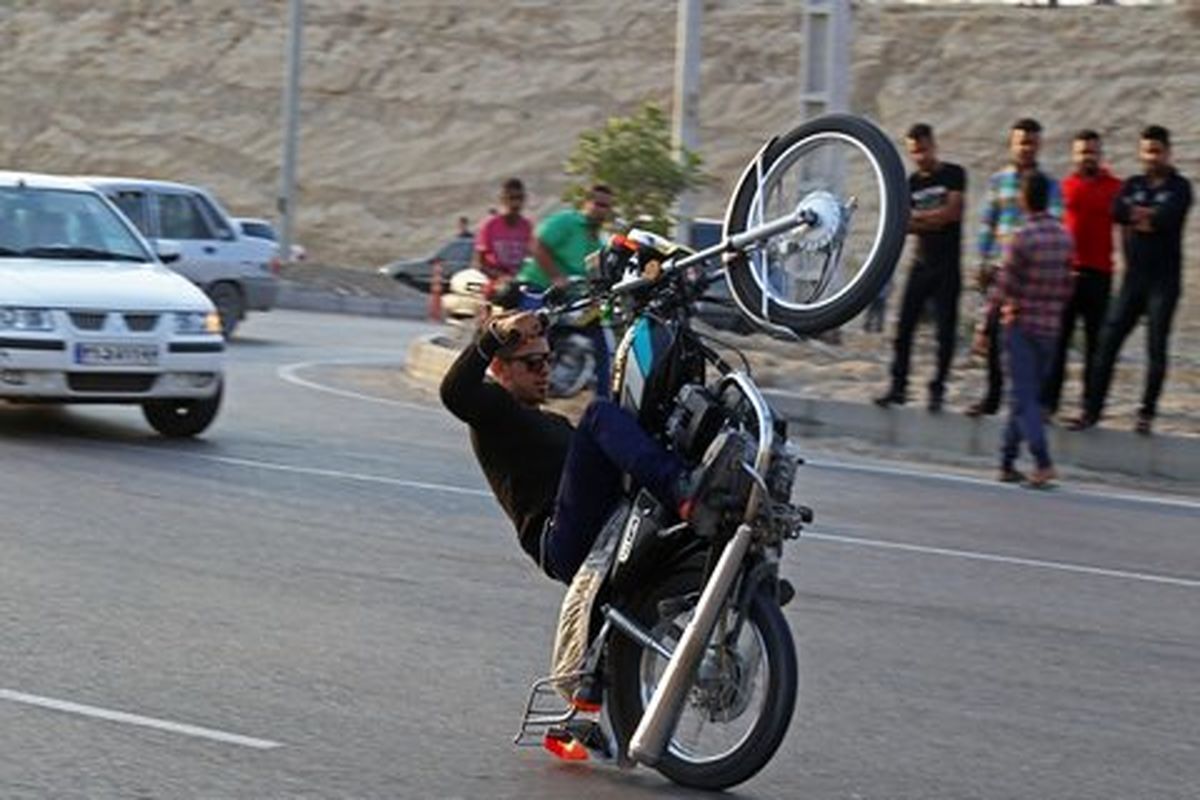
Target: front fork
<point>658,722</point>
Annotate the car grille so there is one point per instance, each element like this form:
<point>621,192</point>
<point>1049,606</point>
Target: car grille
<point>110,381</point>
<point>94,321</point>
<point>88,320</point>
<point>141,322</point>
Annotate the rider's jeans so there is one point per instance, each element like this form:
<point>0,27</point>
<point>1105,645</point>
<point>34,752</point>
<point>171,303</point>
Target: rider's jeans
<point>608,444</point>
<point>599,338</point>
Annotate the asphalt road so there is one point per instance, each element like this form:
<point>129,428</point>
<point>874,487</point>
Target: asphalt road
<point>319,599</point>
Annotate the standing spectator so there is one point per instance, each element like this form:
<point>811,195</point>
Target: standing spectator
<point>1151,208</point>
<point>504,239</point>
<point>937,189</point>
<point>1001,217</point>
<point>566,238</point>
<point>1032,286</point>
<point>877,310</point>
<point>464,228</point>
<point>1088,195</point>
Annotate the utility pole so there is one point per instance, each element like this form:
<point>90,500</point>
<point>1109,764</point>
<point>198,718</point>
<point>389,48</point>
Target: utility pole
<point>291,117</point>
<point>686,113</point>
<point>826,57</point>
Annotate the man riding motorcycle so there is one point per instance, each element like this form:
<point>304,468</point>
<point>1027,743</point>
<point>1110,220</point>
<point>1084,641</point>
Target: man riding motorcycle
<point>556,482</point>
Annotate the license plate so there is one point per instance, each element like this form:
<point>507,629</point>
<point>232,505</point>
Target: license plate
<point>125,355</point>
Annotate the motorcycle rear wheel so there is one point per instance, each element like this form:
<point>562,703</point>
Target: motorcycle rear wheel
<point>741,703</point>
<point>848,172</point>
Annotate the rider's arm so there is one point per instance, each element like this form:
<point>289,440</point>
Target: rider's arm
<point>464,391</point>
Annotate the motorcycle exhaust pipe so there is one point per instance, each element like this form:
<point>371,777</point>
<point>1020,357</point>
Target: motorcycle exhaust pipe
<point>661,715</point>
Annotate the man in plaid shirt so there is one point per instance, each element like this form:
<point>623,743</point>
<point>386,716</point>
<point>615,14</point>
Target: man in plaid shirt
<point>1032,286</point>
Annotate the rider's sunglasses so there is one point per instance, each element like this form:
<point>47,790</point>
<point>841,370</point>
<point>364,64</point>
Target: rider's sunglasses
<point>533,361</point>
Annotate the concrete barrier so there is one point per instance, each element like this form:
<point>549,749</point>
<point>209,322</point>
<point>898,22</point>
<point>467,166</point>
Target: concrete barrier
<point>1098,449</point>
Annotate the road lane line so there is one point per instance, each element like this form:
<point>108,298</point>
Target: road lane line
<point>1060,491</point>
<point>876,543</point>
<point>289,373</point>
<point>335,473</point>
<point>137,719</point>
<point>972,555</point>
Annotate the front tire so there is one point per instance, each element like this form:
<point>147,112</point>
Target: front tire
<point>230,306</point>
<point>846,170</point>
<point>734,700</point>
<point>182,418</point>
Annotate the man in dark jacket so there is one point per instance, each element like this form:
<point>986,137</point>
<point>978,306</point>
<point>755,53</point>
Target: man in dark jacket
<point>558,484</point>
<point>1152,208</point>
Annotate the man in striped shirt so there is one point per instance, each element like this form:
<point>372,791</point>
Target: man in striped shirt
<point>1032,286</point>
<point>1002,216</point>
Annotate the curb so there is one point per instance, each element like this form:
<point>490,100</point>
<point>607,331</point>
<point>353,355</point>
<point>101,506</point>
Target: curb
<point>1099,449</point>
<point>297,297</point>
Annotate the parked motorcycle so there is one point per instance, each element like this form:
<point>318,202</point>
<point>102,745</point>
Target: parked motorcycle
<point>685,633</point>
<point>572,351</point>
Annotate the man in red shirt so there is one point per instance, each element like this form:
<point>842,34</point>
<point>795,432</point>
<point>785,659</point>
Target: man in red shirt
<point>1088,195</point>
<point>503,240</point>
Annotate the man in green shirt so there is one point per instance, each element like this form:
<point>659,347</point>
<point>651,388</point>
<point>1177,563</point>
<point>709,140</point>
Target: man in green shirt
<point>561,245</point>
<point>565,239</point>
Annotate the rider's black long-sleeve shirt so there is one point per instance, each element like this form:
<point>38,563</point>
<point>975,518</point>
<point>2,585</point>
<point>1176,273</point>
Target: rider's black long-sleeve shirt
<point>521,449</point>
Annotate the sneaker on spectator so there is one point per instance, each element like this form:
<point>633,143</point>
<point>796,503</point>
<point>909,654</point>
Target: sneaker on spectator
<point>892,398</point>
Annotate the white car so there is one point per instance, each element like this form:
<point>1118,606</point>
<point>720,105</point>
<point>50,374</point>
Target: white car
<point>259,228</point>
<point>239,273</point>
<point>89,314</point>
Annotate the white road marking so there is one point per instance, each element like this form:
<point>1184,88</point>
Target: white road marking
<point>289,373</point>
<point>1062,490</point>
<point>137,719</point>
<point>336,473</point>
<point>810,534</point>
<point>972,555</point>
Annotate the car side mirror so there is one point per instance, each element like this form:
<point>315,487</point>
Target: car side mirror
<point>168,250</point>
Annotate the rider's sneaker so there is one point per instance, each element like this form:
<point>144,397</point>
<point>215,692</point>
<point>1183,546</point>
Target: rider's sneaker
<point>718,484</point>
<point>589,696</point>
<point>577,739</point>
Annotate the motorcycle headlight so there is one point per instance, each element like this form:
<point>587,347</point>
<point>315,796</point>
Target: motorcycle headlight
<point>197,322</point>
<point>26,319</point>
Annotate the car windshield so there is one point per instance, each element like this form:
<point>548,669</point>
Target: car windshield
<point>64,224</point>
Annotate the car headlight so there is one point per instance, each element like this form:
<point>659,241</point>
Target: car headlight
<point>26,319</point>
<point>197,322</point>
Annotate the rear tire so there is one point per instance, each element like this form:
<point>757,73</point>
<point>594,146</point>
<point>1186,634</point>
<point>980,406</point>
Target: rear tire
<point>571,367</point>
<point>179,419</point>
<point>759,743</point>
<point>873,257</point>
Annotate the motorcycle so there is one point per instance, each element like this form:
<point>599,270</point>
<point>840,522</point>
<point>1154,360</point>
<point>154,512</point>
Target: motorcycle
<point>684,634</point>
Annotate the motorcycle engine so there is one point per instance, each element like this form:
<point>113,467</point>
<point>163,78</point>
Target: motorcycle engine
<point>694,421</point>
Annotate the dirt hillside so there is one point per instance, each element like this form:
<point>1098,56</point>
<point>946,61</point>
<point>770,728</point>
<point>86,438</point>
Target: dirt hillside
<point>414,110</point>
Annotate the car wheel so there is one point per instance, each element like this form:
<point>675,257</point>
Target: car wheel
<point>181,418</point>
<point>228,300</point>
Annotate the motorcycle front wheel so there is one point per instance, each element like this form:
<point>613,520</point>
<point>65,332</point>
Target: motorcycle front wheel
<point>849,176</point>
<point>739,707</point>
